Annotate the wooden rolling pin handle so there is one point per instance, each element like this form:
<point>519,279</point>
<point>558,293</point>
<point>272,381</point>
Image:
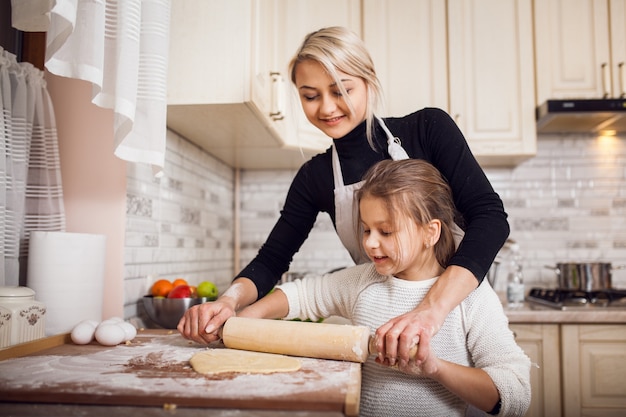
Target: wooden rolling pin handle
<point>314,340</point>
<point>373,351</point>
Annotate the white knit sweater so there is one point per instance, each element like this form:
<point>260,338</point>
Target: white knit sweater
<point>475,333</point>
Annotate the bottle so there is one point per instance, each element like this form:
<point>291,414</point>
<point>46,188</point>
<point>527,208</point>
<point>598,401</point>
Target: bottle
<point>515,282</point>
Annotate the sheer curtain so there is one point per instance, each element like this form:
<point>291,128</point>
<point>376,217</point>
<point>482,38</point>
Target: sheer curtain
<point>31,196</point>
<point>121,47</point>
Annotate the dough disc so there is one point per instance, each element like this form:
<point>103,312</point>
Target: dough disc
<point>217,361</point>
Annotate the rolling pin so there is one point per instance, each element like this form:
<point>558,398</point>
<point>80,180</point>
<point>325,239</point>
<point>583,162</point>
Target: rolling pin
<point>297,338</point>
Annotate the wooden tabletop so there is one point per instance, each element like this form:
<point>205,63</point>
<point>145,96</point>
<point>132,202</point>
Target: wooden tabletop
<point>153,371</point>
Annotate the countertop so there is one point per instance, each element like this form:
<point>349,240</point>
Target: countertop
<point>530,313</point>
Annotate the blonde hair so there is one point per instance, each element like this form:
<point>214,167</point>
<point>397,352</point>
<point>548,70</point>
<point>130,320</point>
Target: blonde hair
<point>415,189</point>
<point>338,48</point>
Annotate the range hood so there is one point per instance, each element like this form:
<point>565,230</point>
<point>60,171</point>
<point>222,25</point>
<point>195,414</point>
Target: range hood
<point>598,116</point>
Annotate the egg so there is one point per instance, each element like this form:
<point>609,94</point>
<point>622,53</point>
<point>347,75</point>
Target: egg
<point>83,332</point>
<point>129,330</point>
<point>110,334</point>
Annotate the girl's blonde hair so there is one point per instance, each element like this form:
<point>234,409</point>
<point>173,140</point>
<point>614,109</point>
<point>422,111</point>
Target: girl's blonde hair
<point>414,189</point>
<point>338,48</point>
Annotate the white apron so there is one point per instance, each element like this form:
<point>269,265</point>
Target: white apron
<point>346,214</point>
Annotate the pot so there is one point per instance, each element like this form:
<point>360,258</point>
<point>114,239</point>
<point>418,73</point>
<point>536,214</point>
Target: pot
<point>584,276</point>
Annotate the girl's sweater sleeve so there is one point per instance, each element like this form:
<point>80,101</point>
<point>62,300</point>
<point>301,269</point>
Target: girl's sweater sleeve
<point>494,350</point>
<point>322,296</point>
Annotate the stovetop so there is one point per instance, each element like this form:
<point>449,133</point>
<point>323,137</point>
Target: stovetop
<point>564,299</point>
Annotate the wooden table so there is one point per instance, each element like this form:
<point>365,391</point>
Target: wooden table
<point>153,373</point>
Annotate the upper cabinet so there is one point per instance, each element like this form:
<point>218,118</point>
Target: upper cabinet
<point>580,49</point>
<point>408,41</point>
<point>492,77</point>
<point>474,60</point>
<point>229,90</point>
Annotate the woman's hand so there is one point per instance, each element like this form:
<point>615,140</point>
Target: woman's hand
<point>395,338</point>
<point>201,323</point>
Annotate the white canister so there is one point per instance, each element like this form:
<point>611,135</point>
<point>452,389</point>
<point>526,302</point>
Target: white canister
<point>22,319</point>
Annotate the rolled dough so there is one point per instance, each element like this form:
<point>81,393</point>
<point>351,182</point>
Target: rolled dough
<point>217,361</point>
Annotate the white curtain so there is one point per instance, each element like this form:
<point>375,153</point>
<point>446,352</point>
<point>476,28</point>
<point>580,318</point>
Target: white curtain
<point>121,47</point>
<point>31,196</point>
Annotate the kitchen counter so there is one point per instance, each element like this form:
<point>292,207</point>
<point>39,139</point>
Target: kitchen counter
<point>530,313</point>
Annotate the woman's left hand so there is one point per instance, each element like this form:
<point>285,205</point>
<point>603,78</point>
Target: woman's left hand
<point>396,338</point>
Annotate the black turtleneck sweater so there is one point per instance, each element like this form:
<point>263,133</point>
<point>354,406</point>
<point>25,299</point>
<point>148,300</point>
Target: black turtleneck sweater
<point>429,134</point>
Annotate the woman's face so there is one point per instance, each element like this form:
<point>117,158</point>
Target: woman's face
<point>397,249</point>
<point>322,102</point>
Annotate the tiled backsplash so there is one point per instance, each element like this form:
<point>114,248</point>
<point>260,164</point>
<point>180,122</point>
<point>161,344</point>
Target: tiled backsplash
<point>178,225</point>
<point>567,204</point>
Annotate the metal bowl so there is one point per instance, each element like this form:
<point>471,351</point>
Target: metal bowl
<point>167,312</point>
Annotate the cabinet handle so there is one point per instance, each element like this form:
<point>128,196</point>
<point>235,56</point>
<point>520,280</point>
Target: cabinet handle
<point>277,111</point>
<point>622,81</point>
<point>606,80</point>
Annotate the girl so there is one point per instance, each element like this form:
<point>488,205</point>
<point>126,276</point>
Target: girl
<point>406,217</point>
<point>339,92</point>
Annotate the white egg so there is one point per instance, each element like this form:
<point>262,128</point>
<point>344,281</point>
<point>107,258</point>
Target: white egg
<point>116,319</point>
<point>109,334</point>
<point>83,332</point>
<point>129,330</point>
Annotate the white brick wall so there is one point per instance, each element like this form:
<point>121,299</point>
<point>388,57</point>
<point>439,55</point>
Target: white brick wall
<point>179,225</point>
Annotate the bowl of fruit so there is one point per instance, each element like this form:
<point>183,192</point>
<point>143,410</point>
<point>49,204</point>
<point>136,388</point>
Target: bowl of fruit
<point>168,300</point>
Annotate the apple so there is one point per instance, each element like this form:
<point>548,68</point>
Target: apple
<point>182,291</point>
<point>207,289</point>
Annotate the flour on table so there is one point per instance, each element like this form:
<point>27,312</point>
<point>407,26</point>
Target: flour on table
<point>217,361</point>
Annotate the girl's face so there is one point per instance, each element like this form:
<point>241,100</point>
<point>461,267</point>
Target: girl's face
<point>398,249</point>
<point>322,102</point>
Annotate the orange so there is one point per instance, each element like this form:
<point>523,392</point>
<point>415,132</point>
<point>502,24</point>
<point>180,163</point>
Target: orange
<point>161,288</point>
<point>179,281</point>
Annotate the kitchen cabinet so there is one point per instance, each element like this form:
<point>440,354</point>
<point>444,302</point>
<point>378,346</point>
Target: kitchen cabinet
<point>228,90</point>
<point>594,370</point>
<point>408,43</point>
<point>541,343</point>
<point>473,59</point>
<point>492,79</point>
<point>580,49</point>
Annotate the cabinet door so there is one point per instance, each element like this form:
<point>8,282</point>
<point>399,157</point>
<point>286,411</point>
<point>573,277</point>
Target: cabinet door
<point>202,66</point>
<point>267,82</point>
<point>572,42</point>
<point>618,46</point>
<point>296,20</point>
<point>492,78</point>
<point>594,370</point>
<point>541,343</point>
<point>408,43</point>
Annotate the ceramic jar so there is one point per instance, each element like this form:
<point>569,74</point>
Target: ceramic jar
<point>22,319</point>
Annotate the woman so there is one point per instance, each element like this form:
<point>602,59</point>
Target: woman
<point>339,92</point>
<point>406,216</point>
